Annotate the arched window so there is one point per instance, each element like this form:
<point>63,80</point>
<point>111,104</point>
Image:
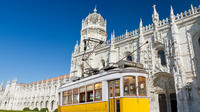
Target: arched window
<point>82,69</point>
<point>129,58</point>
<point>161,55</point>
<point>103,63</point>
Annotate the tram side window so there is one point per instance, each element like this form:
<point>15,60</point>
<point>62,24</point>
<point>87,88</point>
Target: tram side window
<point>129,86</point>
<point>89,93</point>
<point>111,89</point>
<point>142,85</point>
<point>69,96</point>
<point>82,94</point>
<point>64,98</point>
<point>98,91</point>
<point>75,96</point>
<point>117,88</point>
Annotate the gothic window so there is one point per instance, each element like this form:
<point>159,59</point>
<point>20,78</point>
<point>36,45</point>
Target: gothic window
<point>103,63</point>
<point>82,69</point>
<point>161,55</point>
<point>128,56</point>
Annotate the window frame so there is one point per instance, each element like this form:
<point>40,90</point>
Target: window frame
<point>75,93</point>
<point>199,41</point>
<point>80,101</point>
<point>96,90</point>
<point>145,86</point>
<point>70,93</point>
<point>63,97</point>
<point>88,91</point>
<point>162,56</point>
<point>136,88</point>
<point>119,88</point>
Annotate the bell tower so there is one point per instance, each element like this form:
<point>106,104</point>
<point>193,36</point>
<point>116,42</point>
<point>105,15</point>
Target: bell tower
<point>93,26</point>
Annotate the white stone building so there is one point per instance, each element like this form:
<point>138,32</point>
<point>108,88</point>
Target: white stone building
<point>41,94</point>
<point>171,57</point>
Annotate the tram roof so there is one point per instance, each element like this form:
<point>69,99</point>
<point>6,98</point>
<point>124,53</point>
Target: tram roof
<point>104,73</point>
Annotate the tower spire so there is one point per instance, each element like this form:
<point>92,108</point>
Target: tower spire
<point>192,8</point>
<point>154,10</point>
<point>174,27</point>
<point>172,15</point>
<point>95,9</point>
<point>141,24</point>
<point>155,15</point>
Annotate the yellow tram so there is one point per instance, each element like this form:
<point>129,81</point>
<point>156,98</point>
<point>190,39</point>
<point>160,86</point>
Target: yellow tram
<point>119,90</point>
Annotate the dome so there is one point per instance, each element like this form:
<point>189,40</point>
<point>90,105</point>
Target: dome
<point>94,19</point>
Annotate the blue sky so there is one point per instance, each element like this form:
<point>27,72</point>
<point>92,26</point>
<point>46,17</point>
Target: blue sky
<point>37,37</point>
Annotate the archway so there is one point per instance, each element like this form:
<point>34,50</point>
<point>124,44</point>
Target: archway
<point>52,105</point>
<point>36,104</point>
<point>164,87</point>
<point>103,64</point>
<point>41,104</point>
<point>128,56</point>
<point>46,104</point>
<point>5,104</point>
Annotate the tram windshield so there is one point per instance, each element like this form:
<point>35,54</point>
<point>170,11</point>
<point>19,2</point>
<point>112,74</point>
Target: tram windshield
<point>130,87</point>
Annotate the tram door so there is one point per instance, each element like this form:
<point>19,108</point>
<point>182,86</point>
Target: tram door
<point>114,95</point>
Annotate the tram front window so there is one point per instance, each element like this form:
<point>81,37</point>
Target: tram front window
<point>142,85</point>
<point>89,93</point>
<point>64,98</point>
<point>117,87</point>
<point>69,97</point>
<point>75,96</point>
<point>111,88</point>
<point>114,88</point>
<point>129,86</point>
<point>82,94</point>
<point>98,91</point>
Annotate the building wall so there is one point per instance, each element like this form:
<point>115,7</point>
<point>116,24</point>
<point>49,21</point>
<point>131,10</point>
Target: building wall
<point>179,73</point>
<point>175,39</point>
<point>41,94</point>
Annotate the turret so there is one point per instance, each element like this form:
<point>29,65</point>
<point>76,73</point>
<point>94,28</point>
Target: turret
<point>155,16</point>
<point>93,26</point>
<point>1,86</point>
<point>155,19</point>
<point>174,28</point>
<point>113,53</point>
<point>76,48</point>
<point>141,32</point>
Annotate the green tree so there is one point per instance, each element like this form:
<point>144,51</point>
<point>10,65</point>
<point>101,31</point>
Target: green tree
<point>44,110</point>
<point>36,109</point>
<point>26,109</point>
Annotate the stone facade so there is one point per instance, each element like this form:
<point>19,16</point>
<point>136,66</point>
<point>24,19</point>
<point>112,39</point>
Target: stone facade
<point>41,94</point>
<point>171,57</point>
